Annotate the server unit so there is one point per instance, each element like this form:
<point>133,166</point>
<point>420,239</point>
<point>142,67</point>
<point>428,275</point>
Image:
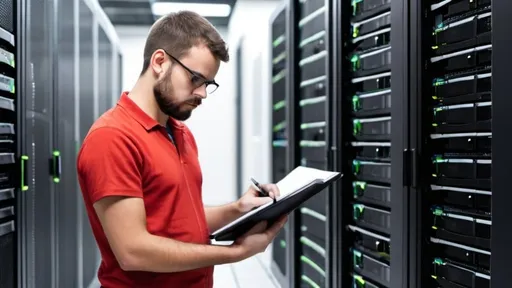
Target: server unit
<point>311,102</point>
<point>280,141</point>
<point>9,107</point>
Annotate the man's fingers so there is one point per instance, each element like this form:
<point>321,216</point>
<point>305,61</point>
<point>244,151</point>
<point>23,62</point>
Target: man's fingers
<point>260,201</point>
<point>272,189</point>
<point>258,228</point>
<point>274,229</point>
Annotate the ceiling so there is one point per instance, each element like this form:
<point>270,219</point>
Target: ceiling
<point>138,12</point>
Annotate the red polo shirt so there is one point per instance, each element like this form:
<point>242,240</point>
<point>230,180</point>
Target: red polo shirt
<point>127,153</point>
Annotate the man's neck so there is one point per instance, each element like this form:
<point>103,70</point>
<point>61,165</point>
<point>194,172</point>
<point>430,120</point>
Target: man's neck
<point>142,94</point>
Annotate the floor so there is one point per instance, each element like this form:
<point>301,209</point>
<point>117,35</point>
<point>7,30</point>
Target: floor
<point>252,272</point>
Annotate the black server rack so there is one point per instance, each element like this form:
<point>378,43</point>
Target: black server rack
<point>37,87</point>
<point>280,141</point>
<point>63,157</point>
<point>311,129</point>
<point>363,120</point>
<point>501,114</point>
<point>8,144</point>
<point>456,138</point>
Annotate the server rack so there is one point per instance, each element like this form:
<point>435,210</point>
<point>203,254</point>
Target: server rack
<point>279,128</point>
<point>311,122</point>
<point>39,69</point>
<point>457,122</point>
<point>370,142</point>
<point>8,144</point>
<point>458,78</point>
<point>63,157</point>
<point>501,63</point>
<point>37,227</point>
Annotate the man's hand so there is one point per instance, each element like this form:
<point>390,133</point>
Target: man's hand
<point>251,199</point>
<point>258,238</point>
<point>221,215</point>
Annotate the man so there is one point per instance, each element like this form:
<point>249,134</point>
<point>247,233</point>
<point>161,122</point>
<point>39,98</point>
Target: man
<point>139,172</point>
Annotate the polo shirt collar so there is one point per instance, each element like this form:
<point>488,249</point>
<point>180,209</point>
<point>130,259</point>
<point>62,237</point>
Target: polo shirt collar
<point>140,116</point>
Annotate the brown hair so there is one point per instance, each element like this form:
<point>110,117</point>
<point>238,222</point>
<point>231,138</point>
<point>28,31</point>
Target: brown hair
<point>177,32</point>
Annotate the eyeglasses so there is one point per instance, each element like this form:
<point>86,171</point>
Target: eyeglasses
<point>197,78</point>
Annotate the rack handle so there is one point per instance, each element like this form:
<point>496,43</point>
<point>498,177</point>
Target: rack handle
<point>24,172</point>
<point>56,166</point>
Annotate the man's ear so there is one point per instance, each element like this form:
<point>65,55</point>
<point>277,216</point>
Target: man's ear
<point>157,61</point>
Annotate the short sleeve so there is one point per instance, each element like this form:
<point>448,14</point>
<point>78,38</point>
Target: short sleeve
<point>109,164</point>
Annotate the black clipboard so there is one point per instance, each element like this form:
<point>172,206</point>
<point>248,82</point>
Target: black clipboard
<point>272,211</point>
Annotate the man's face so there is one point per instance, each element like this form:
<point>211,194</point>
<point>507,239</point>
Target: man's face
<point>181,87</point>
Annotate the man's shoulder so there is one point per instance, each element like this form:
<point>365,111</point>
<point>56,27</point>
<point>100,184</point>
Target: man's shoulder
<point>112,126</point>
<point>115,120</point>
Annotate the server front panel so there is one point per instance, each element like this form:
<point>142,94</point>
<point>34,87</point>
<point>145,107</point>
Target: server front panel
<point>312,117</point>
<point>279,124</point>
<point>459,110</point>
<point>367,91</point>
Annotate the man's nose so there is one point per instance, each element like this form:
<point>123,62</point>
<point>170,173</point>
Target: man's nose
<point>201,91</point>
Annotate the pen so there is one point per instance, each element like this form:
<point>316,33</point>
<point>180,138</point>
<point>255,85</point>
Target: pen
<point>262,191</point>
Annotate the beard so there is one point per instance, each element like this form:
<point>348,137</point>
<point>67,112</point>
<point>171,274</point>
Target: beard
<point>164,92</point>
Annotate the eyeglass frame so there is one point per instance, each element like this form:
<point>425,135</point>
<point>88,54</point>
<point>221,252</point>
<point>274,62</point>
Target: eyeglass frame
<point>204,80</point>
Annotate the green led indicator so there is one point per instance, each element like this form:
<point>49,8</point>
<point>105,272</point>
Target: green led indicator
<point>438,82</point>
<point>357,258</point>
<point>356,104</point>
<point>360,281</point>
<point>358,210</point>
<point>313,265</point>
<point>279,126</point>
<point>310,282</point>
<point>283,244</point>
<point>358,187</point>
<point>355,31</point>
<point>357,126</point>
<point>278,41</point>
<point>355,62</point>
<point>355,167</point>
<point>438,211</point>
<point>279,105</point>
<point>354,6</point>
<point>439,261</point>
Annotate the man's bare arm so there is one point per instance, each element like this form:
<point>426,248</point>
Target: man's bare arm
<point>124,221</point>
<point>218,216</point>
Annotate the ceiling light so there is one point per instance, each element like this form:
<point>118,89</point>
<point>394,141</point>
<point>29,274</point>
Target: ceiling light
<point>205,10</point>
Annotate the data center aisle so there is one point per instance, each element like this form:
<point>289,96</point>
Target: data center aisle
<point>252,272</point>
